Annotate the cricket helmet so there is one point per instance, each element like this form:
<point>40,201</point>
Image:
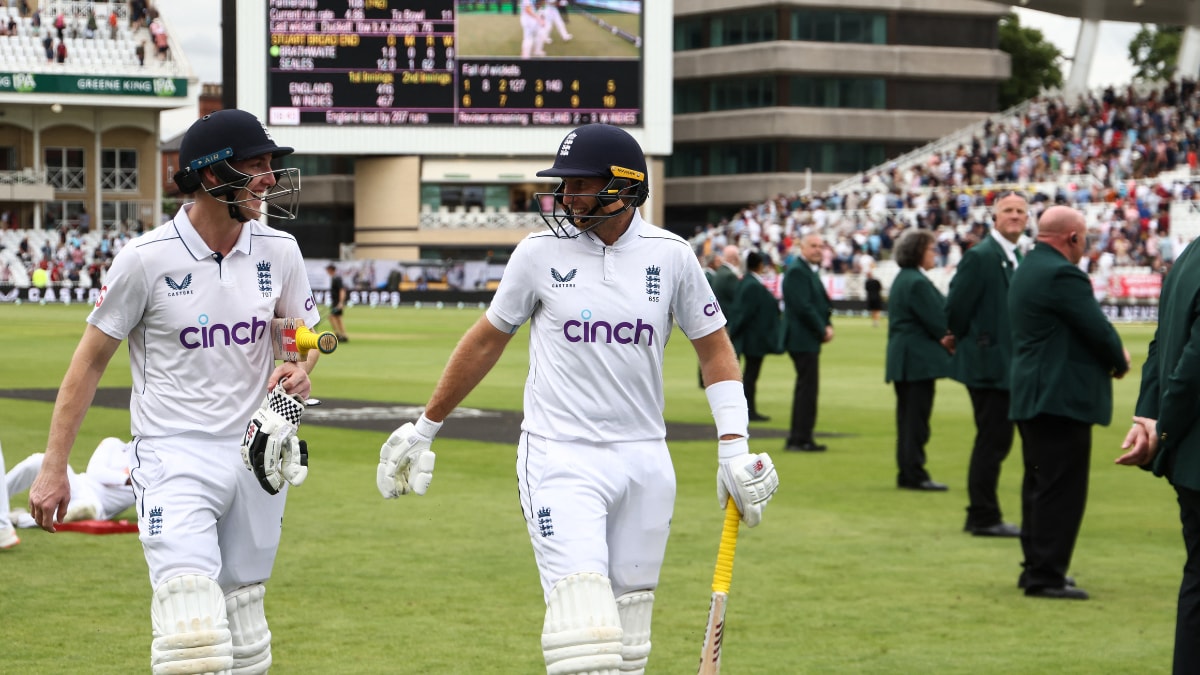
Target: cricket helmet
<point>225,136</point>
<point>595,151</point>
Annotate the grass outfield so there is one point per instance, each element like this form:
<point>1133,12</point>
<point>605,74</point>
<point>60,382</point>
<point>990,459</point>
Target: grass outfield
<point>846,574</point>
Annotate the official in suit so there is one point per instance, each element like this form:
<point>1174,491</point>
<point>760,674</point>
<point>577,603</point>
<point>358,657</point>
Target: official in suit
<point>807,313</point>
<point>977,316</point>
<point>754,328</point>
<point>1064,353</point>
<point>725,281</point>
<point>1165,437</point>
<point>917,354</point>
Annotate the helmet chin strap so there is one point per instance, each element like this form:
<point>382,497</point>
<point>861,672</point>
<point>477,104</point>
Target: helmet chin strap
<point>235,209</point>
<point>608,216</point>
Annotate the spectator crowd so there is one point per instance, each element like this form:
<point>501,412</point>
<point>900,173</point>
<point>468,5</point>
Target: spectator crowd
<point>1120,157</point>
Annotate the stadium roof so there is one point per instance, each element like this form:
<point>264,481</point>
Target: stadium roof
<point>1169,12</point>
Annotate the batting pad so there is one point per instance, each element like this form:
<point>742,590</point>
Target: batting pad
<point>248,626</point>
<point>635,610</point>
<point>582,632</point>
<point>191,632</point>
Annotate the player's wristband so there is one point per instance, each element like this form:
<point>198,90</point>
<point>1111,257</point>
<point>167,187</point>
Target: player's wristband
<point>728,402</point>
<point>427,427</point>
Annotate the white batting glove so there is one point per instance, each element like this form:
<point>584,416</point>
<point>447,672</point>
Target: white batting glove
<point>270,448</point>
<point>749,479</point>
<point>405,460</point>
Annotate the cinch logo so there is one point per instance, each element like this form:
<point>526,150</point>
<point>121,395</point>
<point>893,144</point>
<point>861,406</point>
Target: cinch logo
<point>712,308</point>
<point>205,336</point>
<point>602,331</point>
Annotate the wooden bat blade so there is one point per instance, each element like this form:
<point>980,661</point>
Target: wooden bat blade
<point>283,339</point>
<point>710,656</point>
<point>714,633</point>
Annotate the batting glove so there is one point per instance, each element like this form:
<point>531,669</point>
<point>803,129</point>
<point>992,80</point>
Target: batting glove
<point>749,479</point>
<point>270,448</point>
<point>405,460</point>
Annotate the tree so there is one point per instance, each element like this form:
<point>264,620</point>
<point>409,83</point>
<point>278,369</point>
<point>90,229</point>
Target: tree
<point>1155,52</point>
<point>1034,62</point>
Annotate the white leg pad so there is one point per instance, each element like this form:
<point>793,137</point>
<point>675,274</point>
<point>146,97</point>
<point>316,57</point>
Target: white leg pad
<point>635,609</point>
<point>582,633</point>
<point>248,626</point>
<point>191,632</point>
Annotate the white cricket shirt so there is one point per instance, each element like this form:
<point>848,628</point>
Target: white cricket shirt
<point>599,319</point>
<point>198,329</point>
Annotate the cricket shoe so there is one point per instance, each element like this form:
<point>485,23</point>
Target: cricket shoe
<point>8,536</point>
<point>21,518</point>
<point>80,511</point>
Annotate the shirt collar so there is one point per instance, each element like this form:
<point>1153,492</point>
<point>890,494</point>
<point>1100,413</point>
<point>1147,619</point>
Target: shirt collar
<point>1007,246</point>
<point>195,244</point>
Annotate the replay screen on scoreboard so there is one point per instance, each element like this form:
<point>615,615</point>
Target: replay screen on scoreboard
<point>454,63</point>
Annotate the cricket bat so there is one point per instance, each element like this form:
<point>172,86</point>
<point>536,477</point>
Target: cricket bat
<point>291,340</point>
<point>710,656</point>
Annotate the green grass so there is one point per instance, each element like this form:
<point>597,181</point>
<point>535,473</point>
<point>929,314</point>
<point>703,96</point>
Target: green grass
<point>845,575</point>
<point>487,34</point>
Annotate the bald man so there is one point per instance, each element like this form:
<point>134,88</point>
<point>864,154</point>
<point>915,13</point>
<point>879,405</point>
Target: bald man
<point>1065,354</point>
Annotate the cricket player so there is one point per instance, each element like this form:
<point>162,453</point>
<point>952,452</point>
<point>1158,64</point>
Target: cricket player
<point>595,478</point>
<point>533,30</point>
<point>99,493</point>
<point>195,298</point>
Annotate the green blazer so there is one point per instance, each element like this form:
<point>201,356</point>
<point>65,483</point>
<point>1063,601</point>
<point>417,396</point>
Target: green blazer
<point>754,324</point>
<point>1065,351</point>
<point>806,308</point>
<point>916,325</point>
<point>724,286</point>
<point>1171,376</point>
<point>977,314</point>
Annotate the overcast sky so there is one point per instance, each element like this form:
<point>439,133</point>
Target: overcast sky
<point>197,27</point>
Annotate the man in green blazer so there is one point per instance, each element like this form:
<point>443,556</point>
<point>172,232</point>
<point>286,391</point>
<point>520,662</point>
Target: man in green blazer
<point>977,315</point>
<point>1165,437</point>
<point>754,327</point>
<point>1064,353</point>
<point>725,281</point>
<point>808,324</point>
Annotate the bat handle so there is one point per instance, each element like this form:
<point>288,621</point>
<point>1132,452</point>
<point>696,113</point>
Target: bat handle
<point>723,575</point>
<point>306,339</point>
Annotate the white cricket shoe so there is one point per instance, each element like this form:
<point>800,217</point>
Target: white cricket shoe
<point>80,511</point>
<point>21,518</point>
<point>8,536</point>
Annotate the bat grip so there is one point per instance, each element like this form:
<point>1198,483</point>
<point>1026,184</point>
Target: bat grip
<point>723,575</point>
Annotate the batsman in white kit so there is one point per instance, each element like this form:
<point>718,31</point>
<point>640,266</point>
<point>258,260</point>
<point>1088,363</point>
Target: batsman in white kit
<point>101,492</point>
<point>212,458</point>
<point>596,483</point>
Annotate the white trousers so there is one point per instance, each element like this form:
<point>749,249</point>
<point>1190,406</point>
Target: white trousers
<point>200,511</point>
<point>603,508</point>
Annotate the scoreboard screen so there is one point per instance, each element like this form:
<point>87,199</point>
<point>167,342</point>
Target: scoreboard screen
<point>454,63</point>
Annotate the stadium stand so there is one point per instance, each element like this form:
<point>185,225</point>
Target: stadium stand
<point>103,50</point>
<point>1122,157</point>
